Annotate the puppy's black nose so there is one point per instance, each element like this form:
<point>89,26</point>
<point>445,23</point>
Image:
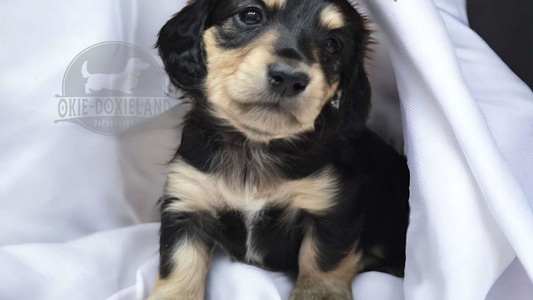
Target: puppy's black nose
<point>285,80</point>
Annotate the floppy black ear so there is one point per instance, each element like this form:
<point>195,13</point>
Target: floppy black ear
<point>355,93</point>
<point>180,45</point>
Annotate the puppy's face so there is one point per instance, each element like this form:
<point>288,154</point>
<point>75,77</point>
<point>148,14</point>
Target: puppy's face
<point>268,67</point>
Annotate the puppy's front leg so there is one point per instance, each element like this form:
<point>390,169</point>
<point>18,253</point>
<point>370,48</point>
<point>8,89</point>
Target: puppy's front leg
<point>319,279</point>
<point>185,249</point>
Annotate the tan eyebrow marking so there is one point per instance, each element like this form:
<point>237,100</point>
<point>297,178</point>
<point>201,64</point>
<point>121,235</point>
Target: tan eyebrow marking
<point>274,3</point>
<point>331,17</point>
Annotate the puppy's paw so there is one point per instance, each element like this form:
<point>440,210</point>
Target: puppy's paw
<point>321,292</point>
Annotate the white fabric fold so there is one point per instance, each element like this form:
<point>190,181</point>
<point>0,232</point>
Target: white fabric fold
<point>465,195</point>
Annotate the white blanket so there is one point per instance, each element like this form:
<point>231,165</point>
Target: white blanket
<point>77,209</point>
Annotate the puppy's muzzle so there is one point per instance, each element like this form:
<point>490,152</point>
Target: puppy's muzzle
<point>286,80</point>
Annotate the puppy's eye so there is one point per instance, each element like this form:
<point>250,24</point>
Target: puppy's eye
<point>251,16</point>
<point>332,45</point>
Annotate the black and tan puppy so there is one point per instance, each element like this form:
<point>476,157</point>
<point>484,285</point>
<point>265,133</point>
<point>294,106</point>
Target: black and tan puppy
<point>269,169</point>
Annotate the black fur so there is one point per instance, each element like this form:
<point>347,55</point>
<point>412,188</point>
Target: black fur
<point>372,207</point>
<point>175,226</point>
<point>180,46</point>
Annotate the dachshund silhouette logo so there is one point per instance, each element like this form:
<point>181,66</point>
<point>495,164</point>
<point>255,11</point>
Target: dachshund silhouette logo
<point>124,81</point>
<point>112,86</point>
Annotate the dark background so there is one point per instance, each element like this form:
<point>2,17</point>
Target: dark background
<point>507,26</point>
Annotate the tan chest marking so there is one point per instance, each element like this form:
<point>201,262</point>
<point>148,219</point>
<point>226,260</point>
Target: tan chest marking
<point>199,191</point>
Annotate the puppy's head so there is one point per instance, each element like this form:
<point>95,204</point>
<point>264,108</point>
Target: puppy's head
<point>268,67</point>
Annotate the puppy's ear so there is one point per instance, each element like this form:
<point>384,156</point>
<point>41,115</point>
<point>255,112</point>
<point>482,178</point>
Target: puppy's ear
<point>180,45</point>
<point>355,93</point>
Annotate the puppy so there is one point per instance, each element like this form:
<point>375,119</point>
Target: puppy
<point>269,169</point>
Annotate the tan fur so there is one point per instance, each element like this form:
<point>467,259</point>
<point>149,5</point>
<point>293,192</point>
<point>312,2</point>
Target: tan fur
<point>274,3</point>
<point>198,191</point>
<point>313,283</point>
<point>238,77</point>
<point>331,17</point>
<point>187,280</point>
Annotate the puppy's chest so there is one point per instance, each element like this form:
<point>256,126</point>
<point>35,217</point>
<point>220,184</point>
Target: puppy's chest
<point>257,208</point>
<point>248,186</point>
